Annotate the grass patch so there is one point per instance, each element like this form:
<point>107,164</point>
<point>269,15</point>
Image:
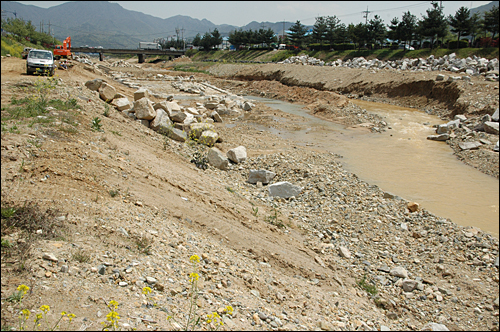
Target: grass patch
<point>29,223</point>
<point>367,286</point>
<point>81,256</point>
<point>273,218</point>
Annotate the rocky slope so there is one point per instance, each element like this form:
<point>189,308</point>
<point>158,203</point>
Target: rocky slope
<point>128,209</point>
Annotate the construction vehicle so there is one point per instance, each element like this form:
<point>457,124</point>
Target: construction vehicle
<point>64,50</point>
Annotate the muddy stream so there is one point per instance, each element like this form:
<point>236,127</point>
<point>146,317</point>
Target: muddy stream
<point>403,161</point>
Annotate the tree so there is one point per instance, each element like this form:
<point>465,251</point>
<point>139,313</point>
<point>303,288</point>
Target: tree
<point>375,31</point>
<point>490,21</point>
<point>475,23</point>
<point>394,32</point>
<point>433,25</point>
<point>319,32</point>
<point>460,23</point>
<point>215,38</point>
<point>408,27</point>
<point>197,40</point>
<point>357,33</point>
<point>297,34</point>
<point>333,29</point>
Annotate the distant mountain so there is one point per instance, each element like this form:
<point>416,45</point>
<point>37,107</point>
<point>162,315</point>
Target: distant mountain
<point>484,8</point>
<point>101,23</point>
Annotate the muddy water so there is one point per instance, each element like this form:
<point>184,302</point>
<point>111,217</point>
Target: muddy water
<point>403,162</point>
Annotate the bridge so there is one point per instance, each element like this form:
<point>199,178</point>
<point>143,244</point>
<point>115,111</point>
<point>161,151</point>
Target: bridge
<point>140,53</point>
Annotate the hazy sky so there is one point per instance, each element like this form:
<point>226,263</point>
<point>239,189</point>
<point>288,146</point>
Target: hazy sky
<point>240,13</point>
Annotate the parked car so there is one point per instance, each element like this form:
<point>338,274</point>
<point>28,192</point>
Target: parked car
<point>40,61</point>
<point>406,47</point>
<point>25,52</point>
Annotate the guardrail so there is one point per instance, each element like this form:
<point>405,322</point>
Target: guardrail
<point>140,53</point>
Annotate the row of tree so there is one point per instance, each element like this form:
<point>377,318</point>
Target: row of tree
<point>433,26</point>
<point>22,30</point>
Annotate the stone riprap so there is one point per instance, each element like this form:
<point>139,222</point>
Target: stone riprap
<point>471,65</point>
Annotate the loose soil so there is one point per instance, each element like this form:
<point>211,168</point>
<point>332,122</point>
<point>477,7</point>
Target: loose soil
<point>130,200</point>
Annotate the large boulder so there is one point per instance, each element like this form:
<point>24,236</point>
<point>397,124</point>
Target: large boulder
<point>491,127</point>
<point>94,85</point>
<point>121,104</point>
<point>196,129</point>
<point>176,134</point>
<point>144,109</point>
<point>178,117</point>
<point>217,159</point>
<point>107,92</point>
<point>284,189</point>
<point>260,175</point>
<point>237,155</point>
<point>141,93</point>
<point>161,122</point>
<point>208,137</point>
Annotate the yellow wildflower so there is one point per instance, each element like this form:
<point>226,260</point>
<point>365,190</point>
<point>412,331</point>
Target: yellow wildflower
<point>194,259</point>
<point>146,290</point>
<point>71,316</point>
<point>229,310</point>
<point>113,303</point>
<point>23,288</point>
<point>26,313</point>
<point>193,276</point>
<point>45,308</point>
<point>63,313</point>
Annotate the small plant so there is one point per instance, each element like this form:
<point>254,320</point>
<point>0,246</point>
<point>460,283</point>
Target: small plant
<point>21,167</point>
<point>112,317</point>
<point>273,218</point>
<point>81,256</point>
<point>106,110</point>
<point>255,211</point>
<point>6,243</point>
<point>96,124</point>
<point>231,190</point>
<point>14,130</point>
<point>144,245</point>
<point>193,321</point>
<point>365,285</point>
<point>201,161</point>
<point>113,193</point>
<point>117,133</point>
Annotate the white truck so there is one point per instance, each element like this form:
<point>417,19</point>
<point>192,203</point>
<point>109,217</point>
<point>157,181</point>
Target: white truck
<point>149,46</point>
<point>40,61</point>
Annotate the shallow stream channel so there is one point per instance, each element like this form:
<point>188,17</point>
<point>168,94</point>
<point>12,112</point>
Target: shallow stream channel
<point>403,162</point>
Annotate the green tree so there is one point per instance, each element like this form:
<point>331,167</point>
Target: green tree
<point>333,28</point>
<point>475,23</point>
<point>320,30</point>
<point>357,34</point>
<point>394,32</point>
<point>197,40</point>
<point>490,21</point>
<point>460,23</point>
<point>297,34</point>
<point>434,24</point>
<point>407,28</point>
<point>375,31</point>
<point>215,38</point>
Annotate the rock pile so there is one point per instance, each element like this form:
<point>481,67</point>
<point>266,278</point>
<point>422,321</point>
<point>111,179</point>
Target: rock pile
<point>468,128</point>
<point>470,66</point>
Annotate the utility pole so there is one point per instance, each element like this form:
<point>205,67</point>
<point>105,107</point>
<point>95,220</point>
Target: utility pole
<point>283,37</point>
<point>366,14</point>
<point>183,42</point>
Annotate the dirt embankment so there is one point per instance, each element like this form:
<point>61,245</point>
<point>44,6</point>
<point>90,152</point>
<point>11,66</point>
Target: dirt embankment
<point>409,89</point>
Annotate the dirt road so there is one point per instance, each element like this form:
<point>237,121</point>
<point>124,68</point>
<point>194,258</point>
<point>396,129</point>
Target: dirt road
<point>128,209</point>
